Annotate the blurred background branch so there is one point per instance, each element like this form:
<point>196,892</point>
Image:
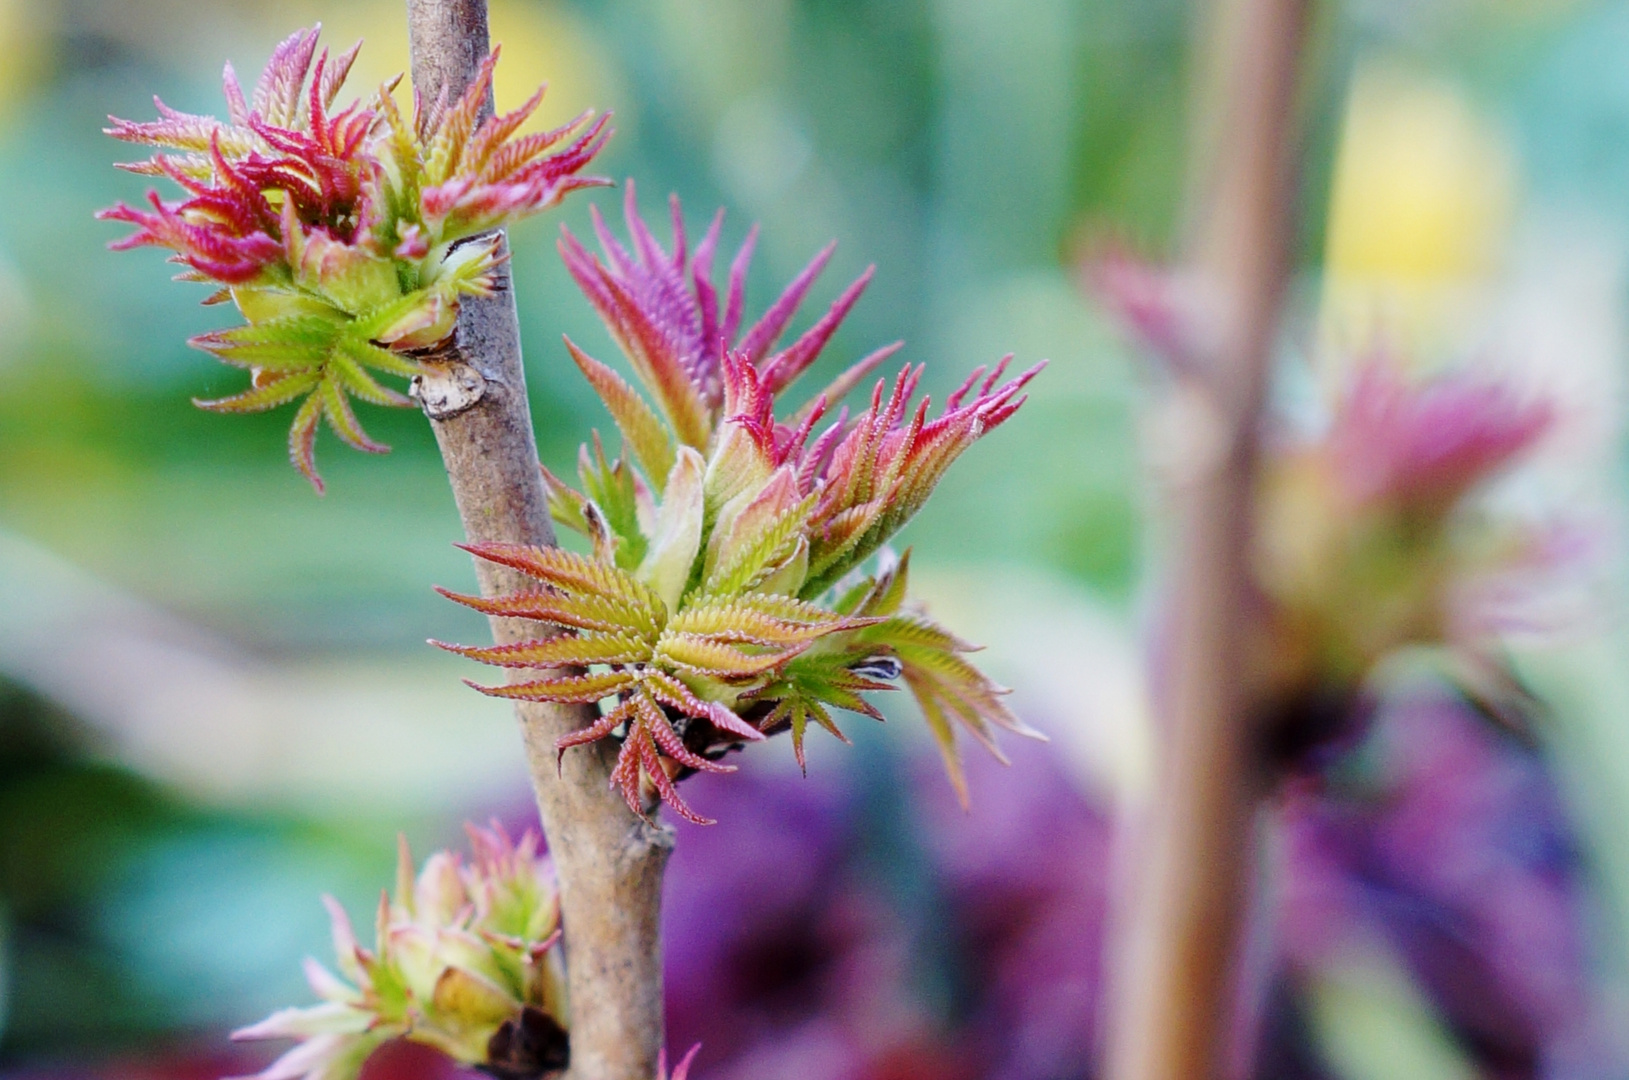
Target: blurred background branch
<point>1181,921</point>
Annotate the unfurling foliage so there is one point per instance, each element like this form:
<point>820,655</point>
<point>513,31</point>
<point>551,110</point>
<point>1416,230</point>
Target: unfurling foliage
<point>724,598</point>
<point>1372,535</point>
<point>463,961</point>
<point>348,237</point>
<point>1371,538</point>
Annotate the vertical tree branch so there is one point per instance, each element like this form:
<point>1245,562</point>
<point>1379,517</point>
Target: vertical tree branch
<point>609,862</point>
<point>1180,922</point>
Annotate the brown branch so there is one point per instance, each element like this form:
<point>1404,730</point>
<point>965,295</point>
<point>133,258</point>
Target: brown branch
<point>609,862</point>
<point>1179,927</point>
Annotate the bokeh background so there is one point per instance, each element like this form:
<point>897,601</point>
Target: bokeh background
<point>215,698</point>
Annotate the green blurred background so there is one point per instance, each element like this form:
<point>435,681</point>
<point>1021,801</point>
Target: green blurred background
<point>215,700</point>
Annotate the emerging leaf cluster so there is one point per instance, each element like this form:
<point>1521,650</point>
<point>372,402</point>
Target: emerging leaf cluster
<point>723,599</point>
<point>346,238</point>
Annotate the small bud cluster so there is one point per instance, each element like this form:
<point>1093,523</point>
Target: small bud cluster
<point>723,599</point>
<point>463,961</point>
<point>346,238</point>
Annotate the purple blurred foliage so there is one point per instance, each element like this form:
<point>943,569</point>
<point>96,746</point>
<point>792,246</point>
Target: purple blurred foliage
<point>204,1060</point>
<point>858,925</point>
<point>791,950</point>
<point>1445,839</point>
<point>403,1060</point>
<point>1026,883</point>
<point>783,960</point>
<point>207,1059</point>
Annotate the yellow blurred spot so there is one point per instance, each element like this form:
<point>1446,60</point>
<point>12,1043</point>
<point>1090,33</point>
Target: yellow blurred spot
<point>23,42</point>
<point>1419,213</point>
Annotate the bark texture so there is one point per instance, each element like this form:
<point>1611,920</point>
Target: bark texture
<point>1178,927</point>
<point>609,862</point>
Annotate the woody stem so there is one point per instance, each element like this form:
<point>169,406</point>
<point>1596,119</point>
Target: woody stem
<point>1179,925</point>
<point>609,862</point>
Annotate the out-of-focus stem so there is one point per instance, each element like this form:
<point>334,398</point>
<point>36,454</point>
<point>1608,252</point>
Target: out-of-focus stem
<point>1178,927</point>
<point>609,862</point>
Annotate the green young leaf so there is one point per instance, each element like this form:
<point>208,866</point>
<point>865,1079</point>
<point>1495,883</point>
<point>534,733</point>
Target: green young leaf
<point>290,344</point>
<point>676,531</point>
<point>564,689</point>
<point>614,489</point>
<point>731,619</point>
<point>643,431</point>
<point>605,647</point>
<point>358,383</point>
<point>567,506</point>
<point>584,612</point>
<point>365,352</point>
<point>715,659</point>
<point>343,421</point>
<point>266,396</point>
<point>763,544</point>
<point>580,577</point>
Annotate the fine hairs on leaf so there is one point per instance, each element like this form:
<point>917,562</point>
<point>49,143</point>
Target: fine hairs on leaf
<point>721,603</point>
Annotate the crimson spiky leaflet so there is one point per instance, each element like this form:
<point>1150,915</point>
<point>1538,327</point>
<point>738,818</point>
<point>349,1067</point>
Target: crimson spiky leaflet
<point>724,597</point>
<point>346,238</point>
